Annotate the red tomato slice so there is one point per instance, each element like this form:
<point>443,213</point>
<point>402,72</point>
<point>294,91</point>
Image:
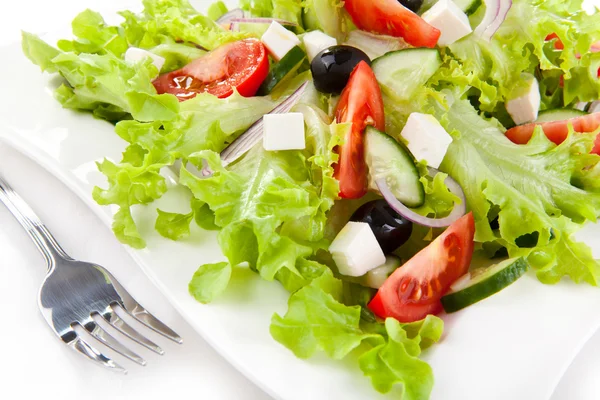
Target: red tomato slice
<point>558,45</point>
<point>243,65</point>
<point>361,104</point>
<point>557,131</point>
<point>414,290</point>
<point>389,17</point>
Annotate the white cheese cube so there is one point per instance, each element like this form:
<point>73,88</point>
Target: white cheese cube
<point>581,105</point>
<point>283,132</point>
<point>355,250</point>
<point>317,41</point>
<point>524,103</point>
<point>452,22</point>
<point>279,40</point>
<point>134,55</point>
<point>427,139</point>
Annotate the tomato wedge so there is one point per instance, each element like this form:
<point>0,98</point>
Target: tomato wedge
<point>243,65</point>
<point>557,131</point>
<point>361,104</point>
<point>414,290</point>
<point>389,17</point>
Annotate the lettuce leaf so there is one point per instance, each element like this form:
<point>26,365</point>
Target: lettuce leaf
<point>168,21</point>
<point>318,320</point>
<point>204,122</point>
<point>103,83</point>
<point>278,242</point>
<point>529,188</point>
<point>493,68</point>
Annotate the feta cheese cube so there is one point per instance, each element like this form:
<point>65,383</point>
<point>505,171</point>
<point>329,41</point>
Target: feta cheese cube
<point>355,250</point>
<point>452,22</point>
<point>427,139</point>
<point>279,40</point>
<point>134,55</point>
<point>317,41</point>
<point>524,103</point>
<point>283,132</point>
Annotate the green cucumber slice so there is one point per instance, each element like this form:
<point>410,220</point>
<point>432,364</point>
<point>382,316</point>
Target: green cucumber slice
<point>483,283</point>
<point>377,276</point>
<point>400,73</point>
<point>468,6</point>
<point>391,160</point>
<point>284,69</point>
<point>559,114</point>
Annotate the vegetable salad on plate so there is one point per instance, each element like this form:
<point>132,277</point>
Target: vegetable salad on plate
<point>359,153</point>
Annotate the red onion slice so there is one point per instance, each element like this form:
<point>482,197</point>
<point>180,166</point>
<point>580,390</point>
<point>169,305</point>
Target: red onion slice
<point>253,135</point>
<point>495,14</point>
<point>458,211</point>
<point>229,16</point>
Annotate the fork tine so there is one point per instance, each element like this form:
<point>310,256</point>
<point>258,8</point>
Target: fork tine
<point>155,324</point>
<point>94,355</point>
<point>134,309</point>
<point>108,340</point>
<point>123,327</point>
<point>129,305</point>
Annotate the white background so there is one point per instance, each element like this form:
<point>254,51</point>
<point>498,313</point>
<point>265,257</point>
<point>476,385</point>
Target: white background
<point>35,363</point>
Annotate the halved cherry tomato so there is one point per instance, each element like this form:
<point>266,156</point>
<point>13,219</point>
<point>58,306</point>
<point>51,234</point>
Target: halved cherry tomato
<point>557,131</point>
<point>243,65</point>
<point>415,289</point>
<point>558,45</point>
<point>389,17</point>
<point>361,104</point>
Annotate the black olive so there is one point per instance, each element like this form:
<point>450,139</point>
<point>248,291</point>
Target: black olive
<point>412,5</point>
<point>331,68</point>
<point>391,229</point>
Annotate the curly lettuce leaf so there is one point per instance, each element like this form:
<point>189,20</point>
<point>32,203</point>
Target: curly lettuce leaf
<point>318,320</point>
<point>104,84</point>
<point>169,21</point>
<point>494,68</point>
<point>204,122</point>
<point>93,36</point>
<point>288,10</point>
<point>278,242</point>
<point>529,188</point>
<point>209,281</point>
<point>174,226</point>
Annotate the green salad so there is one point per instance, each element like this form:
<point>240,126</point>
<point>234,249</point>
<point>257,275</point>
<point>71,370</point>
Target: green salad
<point>358,153</point>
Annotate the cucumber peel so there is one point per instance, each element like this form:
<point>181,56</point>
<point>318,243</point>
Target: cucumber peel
<point>559,114</point>
<point>283,70</point>
<point>485,282</point>
<point>391,160</point>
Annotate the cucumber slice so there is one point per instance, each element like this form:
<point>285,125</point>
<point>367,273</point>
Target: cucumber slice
<point>377,276</point>
<point>468,6</point>
<point>559,114</point>
<point>483,283</point>
<point>401,72</point>
<point>284,69</point>
<point>392,161</point>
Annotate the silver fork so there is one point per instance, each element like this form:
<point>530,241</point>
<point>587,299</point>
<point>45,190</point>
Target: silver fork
<point>79,300</point>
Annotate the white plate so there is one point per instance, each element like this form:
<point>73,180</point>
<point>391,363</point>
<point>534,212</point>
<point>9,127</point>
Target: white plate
<point>515,345</point>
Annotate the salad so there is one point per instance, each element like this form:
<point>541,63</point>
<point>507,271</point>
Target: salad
<point>359,153</point>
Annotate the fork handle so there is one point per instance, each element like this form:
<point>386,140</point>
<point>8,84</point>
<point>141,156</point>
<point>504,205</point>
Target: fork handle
<point>37,231</point>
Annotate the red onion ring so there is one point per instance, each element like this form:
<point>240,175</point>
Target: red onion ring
<point>495,14</point>
<point>230,15</point>
<point>458,211</point>
<point>253,135</point>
